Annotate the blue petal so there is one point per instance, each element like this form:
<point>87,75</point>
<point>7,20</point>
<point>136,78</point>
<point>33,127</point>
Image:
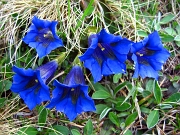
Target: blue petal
<point>53,45</point>
<point>116,66</point>
<point>154,41</point>
<point>93,44</point>
<point>86,104</point>
<point>121,57</point>
<point>33,44</point>
<point>85,101</point>
<point>62,104</point>
<point>32,28</point>
<point>57,92</point>
<point>147,71</point>
<point>160,56</point>
<point>70,110</point>
<point>30,37</point>
<point>23,72</point>
<point>41,50</point>
<point>138,46</point>
<point>94,67</point>
<point>105,69</point>
<point>18,87</point>
<point>107,38</point>
<point>136,72</point>
<point>44,93</point>
<point>40,23</point>
<point>53,29</point>
<point>123,46</point>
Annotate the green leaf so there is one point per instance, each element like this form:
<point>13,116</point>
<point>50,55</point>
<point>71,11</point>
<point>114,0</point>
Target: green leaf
<point>101,94</point>
<point>152,118</point>
<point>146,93</point>
<point>149,85</point>
<point>104,113</point>
<point>42,116</point>
<point>167,18</point>
<point>131,118</point>
<point>128,132</point>
<point>27,131</point>
<point>166,106</point>
<point>119,87</point>
<point>170,31</point>
<point>87,12</point>
<point>166,38</point>
<point>157,92</point>
<point>116,78</point>
<point>120,106</point>
<point>178,43</point>
<point>174,98</point>
<point>88,129</point>
<point>177,38</point>
<point>178,29</point>
<point>61,130</point>
<point>75,132</point>
<point>113,117</point>
<point>123,114</point>
<point>142,33</point>
<point>100,108</point>
<point>157,26</point>
<point>98,86</point>
<point>2,102</point>
<point>5,85</point>
<point>144,109</point>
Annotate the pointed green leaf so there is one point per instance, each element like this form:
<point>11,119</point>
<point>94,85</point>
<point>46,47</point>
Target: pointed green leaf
<point>88,129</point>
<point>27,131</point>
<point>167,18</point>
<point>157,92</point>
<point>42,116</point>
<point>100,108</point>
<point>152,119</point>
<point>177,38</point>
<point>116,78</point>
<point>142,33</point>
<point>104,113</point>
<point>120,106</point>
<point>75,132</point>
<point>174,98</point>
<point>131,118</point>
<point>101,94</point>
<point>113,117</point>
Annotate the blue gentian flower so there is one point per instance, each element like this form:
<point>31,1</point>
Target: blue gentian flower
<point>31,84</point>
<point>42,36</point>
<point>149,55</point>
<point>72,97</point>
<point>106,54</point>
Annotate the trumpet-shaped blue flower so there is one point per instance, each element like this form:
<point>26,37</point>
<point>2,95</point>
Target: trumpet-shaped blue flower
<point>42,36</point>
<point>149,55</point>
<point>106,54</point>
<point>72,97</point>
<point>31,84</point>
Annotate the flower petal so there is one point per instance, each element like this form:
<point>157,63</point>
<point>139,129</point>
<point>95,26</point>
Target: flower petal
<point>39,23</point>
<point>70,110</point>
<point>147,71</point>
<point>93,42</point>
<point>122,46</point>
<point>23,72</point>
<point>107,38</point>
<point>116,66</point>
<point>30,37</point>
<point>154,41</point>
<point>94,67</point>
